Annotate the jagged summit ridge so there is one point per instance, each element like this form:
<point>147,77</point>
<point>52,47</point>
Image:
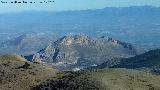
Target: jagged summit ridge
<point>82,39</point>
<point>74,39</point>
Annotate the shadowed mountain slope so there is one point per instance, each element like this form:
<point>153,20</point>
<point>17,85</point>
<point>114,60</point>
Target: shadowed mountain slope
<point>149,61</point>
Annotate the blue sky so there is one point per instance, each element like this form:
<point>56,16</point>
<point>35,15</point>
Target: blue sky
<point>61,5</point>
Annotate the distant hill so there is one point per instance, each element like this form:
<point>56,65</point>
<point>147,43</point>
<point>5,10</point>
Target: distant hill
<point>149,61</point>
<point>27,43</point>
<point>80,51</point>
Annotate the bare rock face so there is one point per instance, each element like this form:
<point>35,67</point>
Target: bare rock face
<point>81,51</point>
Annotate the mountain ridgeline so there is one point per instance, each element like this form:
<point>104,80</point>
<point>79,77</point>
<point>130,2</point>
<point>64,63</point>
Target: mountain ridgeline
<point>81,51</point>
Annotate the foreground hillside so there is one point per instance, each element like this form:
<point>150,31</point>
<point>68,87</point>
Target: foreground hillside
<point>105,79</point>
<point>17,74</point>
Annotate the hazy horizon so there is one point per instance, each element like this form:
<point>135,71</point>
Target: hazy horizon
<point>62,5</point>
<point>47,11</point>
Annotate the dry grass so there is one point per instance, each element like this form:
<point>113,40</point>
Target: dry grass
<point>125,79</point>
<point>104,79</point>
<point>18,74</point>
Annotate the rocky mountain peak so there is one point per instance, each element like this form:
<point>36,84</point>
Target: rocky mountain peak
<point>80,51</point>
<point>80,39</point>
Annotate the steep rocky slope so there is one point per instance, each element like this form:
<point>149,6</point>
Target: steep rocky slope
<point>80,51</point>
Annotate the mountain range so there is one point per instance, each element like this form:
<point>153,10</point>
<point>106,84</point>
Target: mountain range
<point>118,50</point>
<point>138,25</point>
